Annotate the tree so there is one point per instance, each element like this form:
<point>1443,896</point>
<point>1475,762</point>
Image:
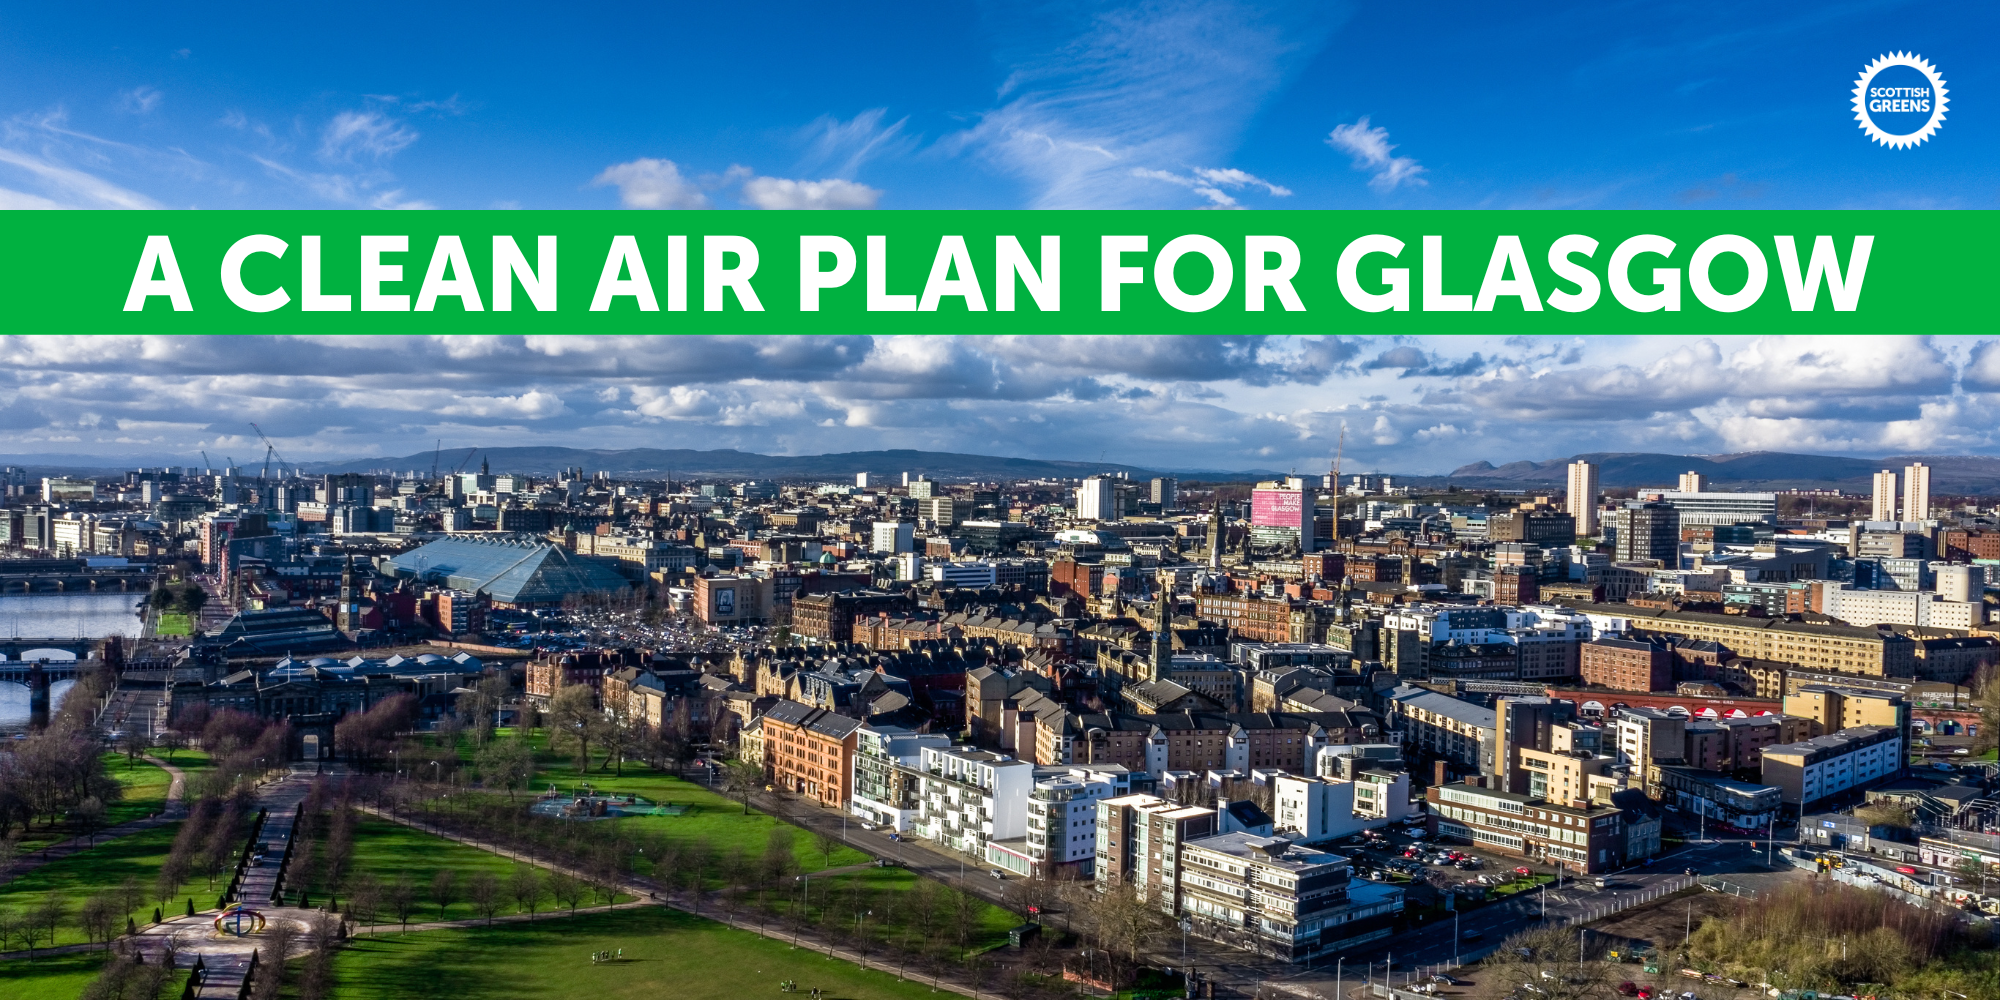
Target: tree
<point>171,741</point>
<point>448,730</point>
<point>1971,872</point>
<point>48,915</point>
<point>575,722</point>
<point>740,780</point>
<point>1551,958</point>
<point>130,895</point>
<point>508,764</point>
<point>133,743</point>
<point>524,886</point>
<point>780,860</point>
<point>1126,925</point>
<point>97,917</point>
<point>965,911</point>
<point>269,980</point>
<point>484,891</point>
<point>567,889</point>
<point>402,898</point>
<point>444,889</point>
<point>89,815</point>
<point>826,843</point>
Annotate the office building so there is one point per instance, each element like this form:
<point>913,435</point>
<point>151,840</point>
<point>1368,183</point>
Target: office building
<point>1885,497</point>
<point>1166,493</point>
<point>1916,492</point>
<point>1585,839</point>
<point>1649,531</point>
<point>891,537</point>
<point>1280,900</point>
<point>1811,771</point>
<point>1691,482</point>
<point>1097,499</point>
<point>1139,838</point>
<point>1581,499</point>
<point>1698,508</point>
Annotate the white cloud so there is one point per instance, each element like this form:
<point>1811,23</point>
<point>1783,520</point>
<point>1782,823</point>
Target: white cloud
<point>140,100</point>
<point>74,188</point>
<point>781,193</point>
<point>370,132</point>
<point>840,148</point>
<point>17,200</point>
<point>1371,150</point>
<point>1097,91</point>
<point>1209,183</point>
<point>651,183</point>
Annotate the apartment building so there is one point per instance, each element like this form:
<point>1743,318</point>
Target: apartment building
<point>1832,708</point>
<point>1565,776</point>
<point>1628,664</point>
<point>887,788</point>
<point>1844,648</point>
<point>1062,823</point>
<point>969,798</point>
<point>1270,896</point>
<point>1463,733</point>
<point>1139,838</point>
<point>1309,810</point>
<point>810,751</point>
<point>1811,771</point>
<point>1586,839</point>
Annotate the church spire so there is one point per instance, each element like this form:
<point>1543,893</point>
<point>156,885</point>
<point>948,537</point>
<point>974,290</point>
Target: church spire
<point>1163,625</point>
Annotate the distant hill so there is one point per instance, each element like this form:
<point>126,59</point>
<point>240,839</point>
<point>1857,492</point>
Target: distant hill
<point>1963,474</point>
<point>730,463</point>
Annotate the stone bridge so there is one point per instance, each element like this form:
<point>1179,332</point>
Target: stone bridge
<point>119,580</point>
<point>17,648</point>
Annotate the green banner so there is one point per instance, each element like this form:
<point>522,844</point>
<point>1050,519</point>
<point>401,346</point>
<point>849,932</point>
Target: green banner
<point>517,273</point>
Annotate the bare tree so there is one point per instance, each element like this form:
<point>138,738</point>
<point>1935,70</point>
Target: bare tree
<point>524,885</point>
<point>444,889</point>
<point>567,889</point>
<point>270,976</point>
<point>484,891</point>
<point>365,901</point>
<point>97,917</point>
<point>826,843</point>
<point>402,898</point>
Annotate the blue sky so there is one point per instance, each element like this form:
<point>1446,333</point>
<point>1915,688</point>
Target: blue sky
<point>941,105</point>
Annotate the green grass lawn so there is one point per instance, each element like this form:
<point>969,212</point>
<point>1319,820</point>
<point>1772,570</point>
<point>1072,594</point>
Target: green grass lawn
<point>722,822</point>
<point>54,977</point>
<point>174,624</point>
<point>666,954</point>
<point>102,868</point>
<point>145,788</point>
<point>390,850</point>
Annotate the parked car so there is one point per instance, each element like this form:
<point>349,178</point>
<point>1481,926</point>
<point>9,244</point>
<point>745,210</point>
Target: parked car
<point>1906,869</point>
<point>1628,989</point>
<point>1524,870</point>
<point>997,873</point>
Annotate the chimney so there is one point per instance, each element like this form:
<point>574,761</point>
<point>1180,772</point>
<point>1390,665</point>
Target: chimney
<point>1439,774</point>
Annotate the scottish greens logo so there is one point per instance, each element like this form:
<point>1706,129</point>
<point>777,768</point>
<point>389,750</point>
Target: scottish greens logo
<point>1899,100</point>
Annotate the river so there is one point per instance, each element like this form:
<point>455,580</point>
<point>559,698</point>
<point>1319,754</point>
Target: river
<point>58,616</point>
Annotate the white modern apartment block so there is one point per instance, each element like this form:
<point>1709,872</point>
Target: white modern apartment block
<point>1812,770</point>
<point>1904,607</point>
<point>891,537</point>
<point>1916,492</point>
<point>1885,497</point>
<point>1272,897</point>
<point>1314,810</point>
<point>886,764</point>
<point>1062,822</point>
<point>1580,502</point>
<point>1097,499</point>
<point>969,798</point>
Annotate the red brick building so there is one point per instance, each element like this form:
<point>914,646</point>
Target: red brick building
<point>1628,665</point>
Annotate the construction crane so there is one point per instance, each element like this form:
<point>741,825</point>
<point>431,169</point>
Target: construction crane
<point>206,467</point>
<point>435,452</point>
<point>269,451</point>
<point>461,462</point>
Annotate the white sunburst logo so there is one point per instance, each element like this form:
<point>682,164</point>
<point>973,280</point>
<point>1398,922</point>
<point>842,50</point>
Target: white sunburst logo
<point>1870,100</point>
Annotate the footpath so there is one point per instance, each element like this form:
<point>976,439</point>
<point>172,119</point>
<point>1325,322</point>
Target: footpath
<point>653,895</point>
<point>174,809</point>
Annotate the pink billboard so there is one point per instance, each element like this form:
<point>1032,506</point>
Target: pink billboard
<point>1277,508</point>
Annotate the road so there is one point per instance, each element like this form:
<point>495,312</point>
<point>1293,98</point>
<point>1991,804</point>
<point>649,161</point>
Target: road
<point>1426,945</point>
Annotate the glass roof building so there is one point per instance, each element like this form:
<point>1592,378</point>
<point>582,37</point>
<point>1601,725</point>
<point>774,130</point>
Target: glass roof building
<point>512,572</point>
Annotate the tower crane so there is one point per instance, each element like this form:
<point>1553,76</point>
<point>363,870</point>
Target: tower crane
<point>435,452</point>
<point>206,466</point>
<point>270,450</point>
<point>461,462</point>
